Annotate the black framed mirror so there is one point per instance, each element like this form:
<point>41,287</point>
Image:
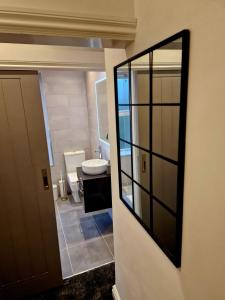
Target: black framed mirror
<point>150,99</point>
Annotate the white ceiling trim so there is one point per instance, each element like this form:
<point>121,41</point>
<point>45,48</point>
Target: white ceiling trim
<point>50,23</point>
<point>36,65</point>
<point>17,56</point>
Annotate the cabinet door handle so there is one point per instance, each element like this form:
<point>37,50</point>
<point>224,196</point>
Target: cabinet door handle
<point>45,179</point>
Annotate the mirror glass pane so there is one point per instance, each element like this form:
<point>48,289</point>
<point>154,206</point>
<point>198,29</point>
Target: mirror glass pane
<point>165,131</point>
<point>164,182</point>
<point>140,80</point>
<point>141,167</point>
<point>127,193</point>
<point>123,94</point>
<point>142,204</point>
<point>124,123</point>
<point>167,73</point>
<point>140,126</point>
<point>151,109</point>
<point>125,158</point>
<point>164,227</point>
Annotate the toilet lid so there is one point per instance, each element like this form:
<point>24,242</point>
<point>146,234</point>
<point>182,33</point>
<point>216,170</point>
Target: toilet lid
<point>73,177</point>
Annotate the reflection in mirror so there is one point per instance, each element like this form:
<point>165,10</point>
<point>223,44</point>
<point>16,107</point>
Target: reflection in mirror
<point>125,157</point>
<point>151,95</point>
<point>165,182</point>
<point>124,123</point>
<point>140,126</point>
<point>102,109</point>
<point>164,227</point>
<point>141,166</point>
<point>165,131</point>
<point>142,204</point>
<point>140,80</point>
<point>123,85</point>
<point>167,73</point>
<point>127,193</point>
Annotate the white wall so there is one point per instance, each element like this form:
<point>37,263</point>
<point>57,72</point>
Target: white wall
<point>66,100</point>
<point>142,270</point>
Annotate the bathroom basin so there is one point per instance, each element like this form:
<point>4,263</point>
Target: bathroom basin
<point>94,166</point>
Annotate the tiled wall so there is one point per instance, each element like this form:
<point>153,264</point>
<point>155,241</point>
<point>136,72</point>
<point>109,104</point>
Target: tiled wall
<point>66,100</point>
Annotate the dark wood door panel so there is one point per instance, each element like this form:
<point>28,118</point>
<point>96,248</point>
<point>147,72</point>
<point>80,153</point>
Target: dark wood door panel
<point>29,255</point>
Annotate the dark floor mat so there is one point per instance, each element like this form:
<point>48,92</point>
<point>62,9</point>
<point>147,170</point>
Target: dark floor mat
<point>104,223</point>
<point>89,228</point>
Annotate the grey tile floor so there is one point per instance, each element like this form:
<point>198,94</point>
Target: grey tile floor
<point>85,240</point>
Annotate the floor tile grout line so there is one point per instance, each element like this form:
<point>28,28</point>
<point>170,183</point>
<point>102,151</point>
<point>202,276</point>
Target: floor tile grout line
<point>65,240</point>
<point>67,247</point>
<point>84,242</point>
<point>91,269</point>
<point>109,248</point>
<point>104,239</point>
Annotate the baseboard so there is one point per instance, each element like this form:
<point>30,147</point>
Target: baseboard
<point>115,293</point>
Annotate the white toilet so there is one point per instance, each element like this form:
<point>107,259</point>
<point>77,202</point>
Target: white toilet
<point>72,161</point>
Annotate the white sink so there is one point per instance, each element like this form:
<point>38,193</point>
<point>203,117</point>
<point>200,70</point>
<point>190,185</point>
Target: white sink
<point>94,166</point>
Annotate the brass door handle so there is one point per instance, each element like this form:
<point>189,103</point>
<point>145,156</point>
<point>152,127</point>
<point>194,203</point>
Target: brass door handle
<point>45,179</point>
<point>143,163</point>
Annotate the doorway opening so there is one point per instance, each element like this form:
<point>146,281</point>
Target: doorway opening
<point>75,114</point>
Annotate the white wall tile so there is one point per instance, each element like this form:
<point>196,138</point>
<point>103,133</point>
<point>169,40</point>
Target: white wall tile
<point>54,100</point>
<point>57,111</point>
<point>66,100</point>
<point>59,123</point>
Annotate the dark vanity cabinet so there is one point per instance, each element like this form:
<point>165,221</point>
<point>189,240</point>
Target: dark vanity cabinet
<point>96,190</point>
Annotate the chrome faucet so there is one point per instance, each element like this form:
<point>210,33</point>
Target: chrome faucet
<point>99,151</point>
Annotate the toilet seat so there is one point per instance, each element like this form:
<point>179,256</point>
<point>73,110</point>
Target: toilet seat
<point>72,177</point>
<point>73,180</point>
<point>73,159</point>
<point>73,183</point>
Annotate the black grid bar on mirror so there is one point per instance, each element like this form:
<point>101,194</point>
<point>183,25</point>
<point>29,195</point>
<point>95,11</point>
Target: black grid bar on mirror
<point>182,134</point>
<point>150,137</point>
<point>164,205</point>
<point>131,133</point>
<point>166,211</point>
<point>184,35</point>
<point>153,104</point>
<point>131,178</point>
<point>151,196</point>
<point>151,152</point>
<point>149,193</point>
<point>165,158</point>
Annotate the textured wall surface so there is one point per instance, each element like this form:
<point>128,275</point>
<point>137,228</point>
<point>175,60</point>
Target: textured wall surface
<point>142,269</point>
<point>66,100</point>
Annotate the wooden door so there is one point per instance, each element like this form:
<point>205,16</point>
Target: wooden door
<point>29,252</point>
